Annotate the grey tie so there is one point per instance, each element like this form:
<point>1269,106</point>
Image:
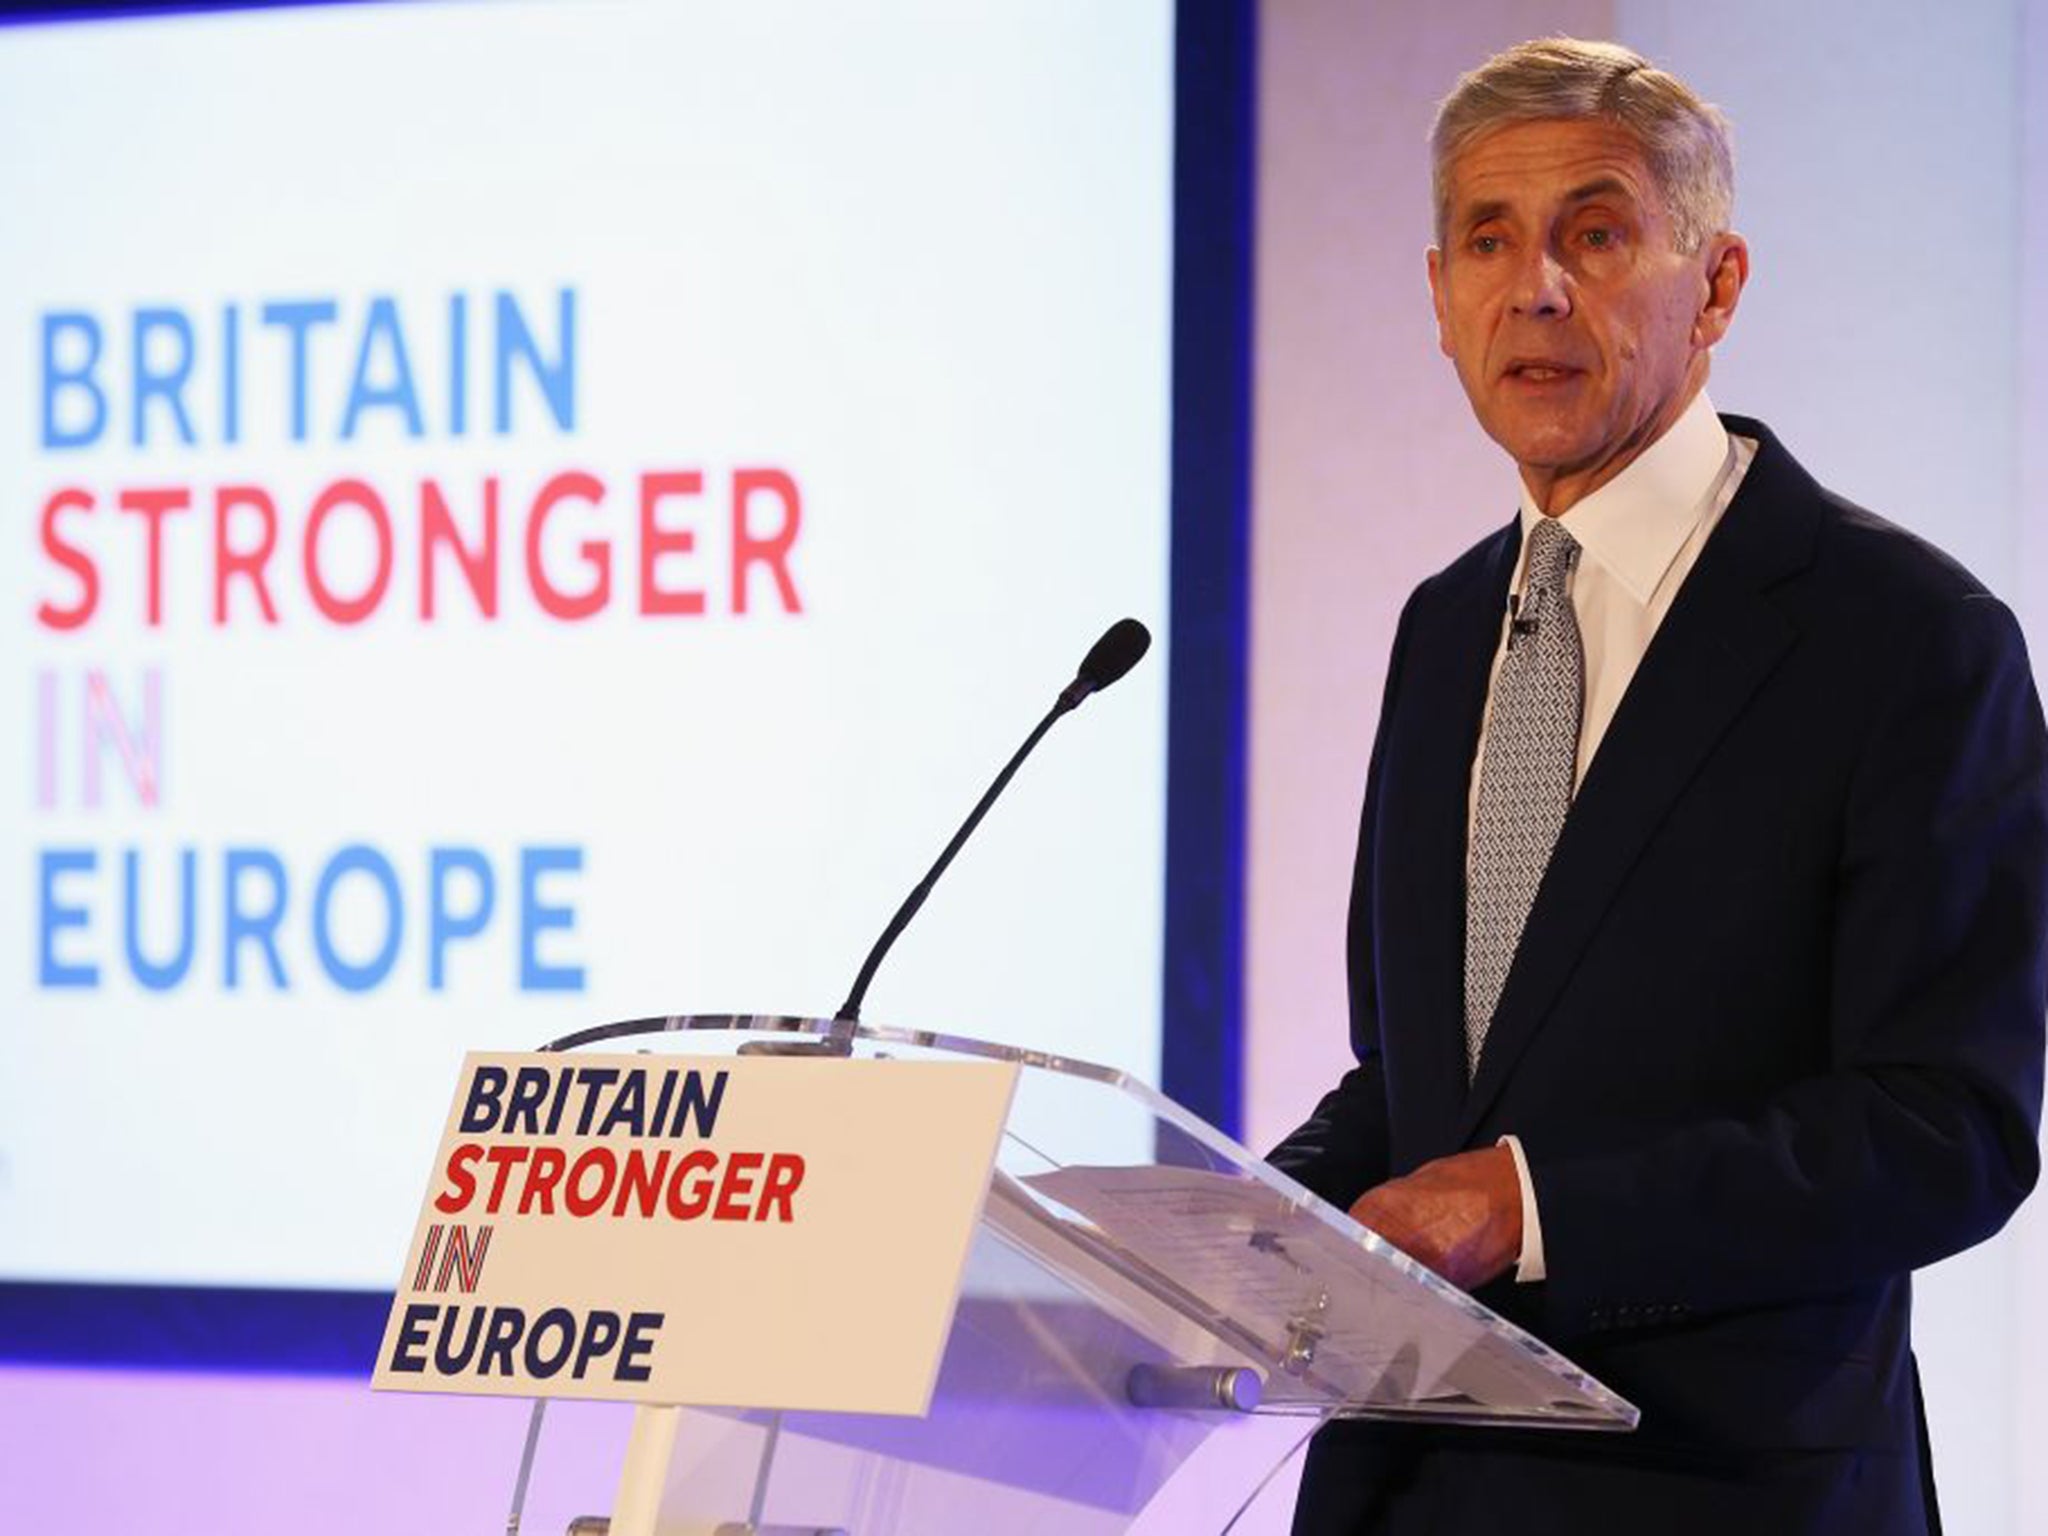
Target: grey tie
<point>1525,776</point>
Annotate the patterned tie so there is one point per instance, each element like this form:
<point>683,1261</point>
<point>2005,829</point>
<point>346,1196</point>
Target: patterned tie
<point>1525,776</point>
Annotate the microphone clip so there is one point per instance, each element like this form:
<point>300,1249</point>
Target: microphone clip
<point>1518,626</point>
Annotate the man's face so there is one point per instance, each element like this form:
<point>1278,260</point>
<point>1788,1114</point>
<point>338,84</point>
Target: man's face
<point>1579,333</point>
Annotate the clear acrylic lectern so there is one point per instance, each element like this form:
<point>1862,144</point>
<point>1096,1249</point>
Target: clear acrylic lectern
<point>1150,1322</point>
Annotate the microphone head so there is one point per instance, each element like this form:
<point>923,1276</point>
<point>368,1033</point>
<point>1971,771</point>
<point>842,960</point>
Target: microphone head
<point>1121,647</point>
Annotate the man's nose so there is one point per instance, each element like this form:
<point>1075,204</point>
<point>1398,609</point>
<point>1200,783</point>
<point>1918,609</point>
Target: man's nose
<point>1540,287</point>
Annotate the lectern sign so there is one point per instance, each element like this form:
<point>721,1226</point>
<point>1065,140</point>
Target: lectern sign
<point>735,1231</point>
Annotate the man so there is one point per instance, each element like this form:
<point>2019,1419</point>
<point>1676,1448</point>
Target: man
<point>1697,929</point>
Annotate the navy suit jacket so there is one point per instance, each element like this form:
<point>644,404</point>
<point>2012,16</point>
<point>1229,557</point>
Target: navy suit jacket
<point>1771,1040</point>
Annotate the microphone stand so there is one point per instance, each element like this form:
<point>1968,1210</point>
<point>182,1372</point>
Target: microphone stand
<point>848,1016</point>
<point>1112,656</point>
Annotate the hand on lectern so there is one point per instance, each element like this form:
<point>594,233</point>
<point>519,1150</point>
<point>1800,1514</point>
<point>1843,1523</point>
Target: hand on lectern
<point>1461,1215</point>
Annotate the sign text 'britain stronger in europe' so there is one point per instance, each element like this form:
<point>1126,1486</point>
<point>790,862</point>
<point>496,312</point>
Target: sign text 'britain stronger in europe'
<point>593,1224</point>
<point>222,466</point>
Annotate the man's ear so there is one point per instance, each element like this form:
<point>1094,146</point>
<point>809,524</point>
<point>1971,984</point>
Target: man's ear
<point>1726,268</point>
<point>1435,259</point>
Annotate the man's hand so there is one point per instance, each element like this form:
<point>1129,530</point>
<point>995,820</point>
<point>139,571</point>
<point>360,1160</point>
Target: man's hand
<point>1462,1215</point>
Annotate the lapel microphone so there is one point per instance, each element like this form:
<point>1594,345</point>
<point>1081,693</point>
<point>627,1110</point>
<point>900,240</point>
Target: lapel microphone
<point>1517,625</point>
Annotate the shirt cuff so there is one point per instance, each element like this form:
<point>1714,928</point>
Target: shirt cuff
<point>1529,1267</point>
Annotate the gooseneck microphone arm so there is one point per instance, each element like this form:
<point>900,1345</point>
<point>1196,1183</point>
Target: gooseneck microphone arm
<point>849,1011</point>
<point>1112,656</point>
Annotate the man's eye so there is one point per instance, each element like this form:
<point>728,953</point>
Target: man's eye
<point>1485,245</point>
<point>1599,239</point>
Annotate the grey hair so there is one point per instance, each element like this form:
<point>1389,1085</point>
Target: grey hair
<point>1685,141</point>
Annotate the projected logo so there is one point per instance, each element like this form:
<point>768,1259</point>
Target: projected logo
<point>221,474</point>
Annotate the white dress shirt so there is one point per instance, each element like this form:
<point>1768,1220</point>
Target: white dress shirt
<point>1639,537</point>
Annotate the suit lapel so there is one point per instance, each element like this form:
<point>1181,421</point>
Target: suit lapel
<point>1451,701</point>
<point>1716,646</point>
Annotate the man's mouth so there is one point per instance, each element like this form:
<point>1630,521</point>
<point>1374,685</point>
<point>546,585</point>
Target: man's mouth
<point>1540,371</point>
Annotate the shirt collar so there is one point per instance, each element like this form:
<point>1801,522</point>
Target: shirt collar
<point>1635,525</point>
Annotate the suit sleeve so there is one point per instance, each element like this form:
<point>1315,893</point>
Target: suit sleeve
<point>1340,1151</point>
<point>1919,1138</point>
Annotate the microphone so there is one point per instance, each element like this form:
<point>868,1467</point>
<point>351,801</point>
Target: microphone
<point>1121,647</point>
<point>1517,625</point>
